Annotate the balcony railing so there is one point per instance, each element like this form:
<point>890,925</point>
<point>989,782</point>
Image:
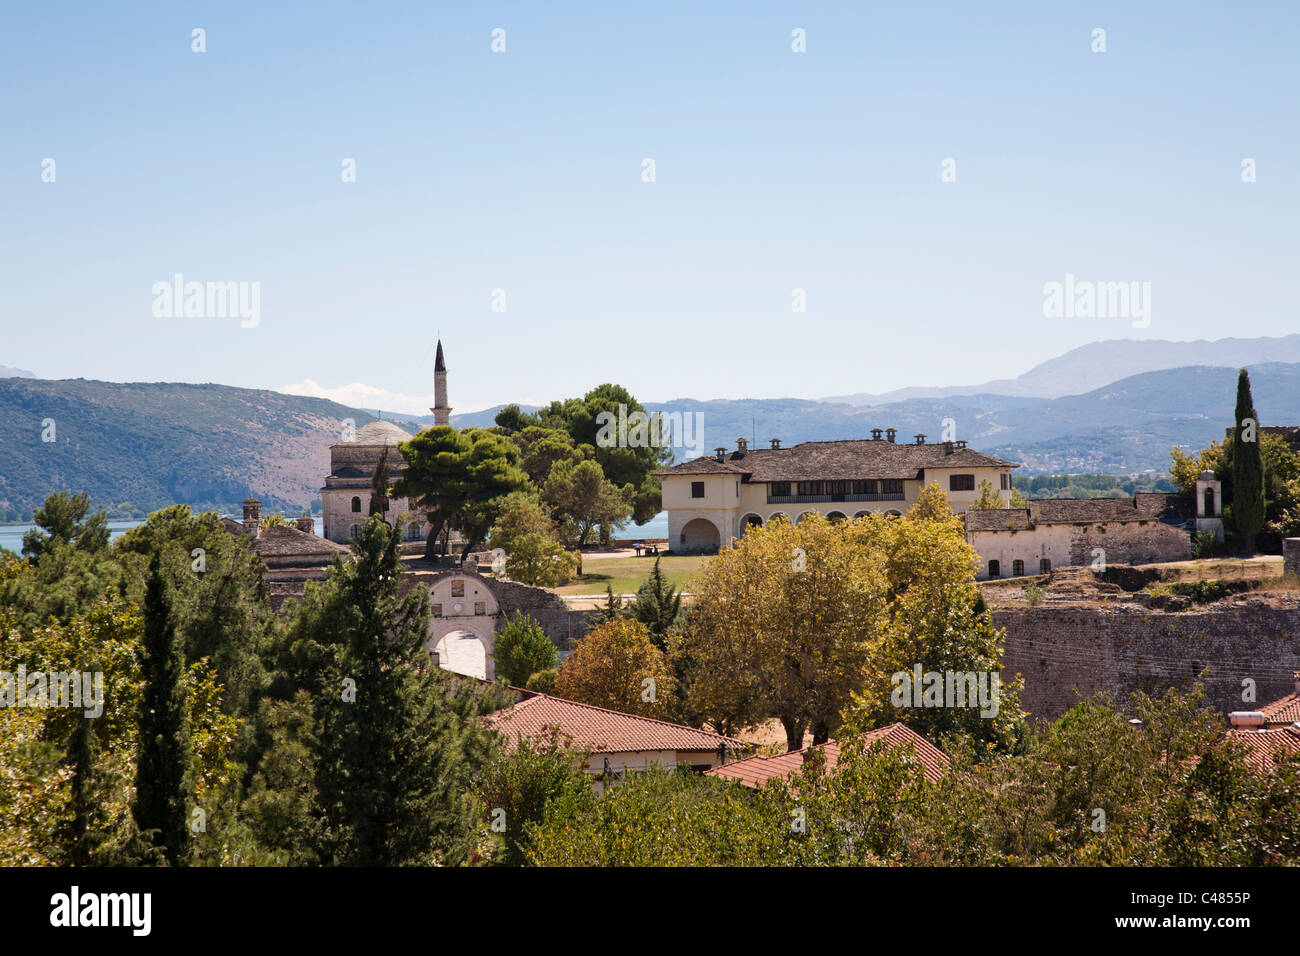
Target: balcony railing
<point>828,499</point>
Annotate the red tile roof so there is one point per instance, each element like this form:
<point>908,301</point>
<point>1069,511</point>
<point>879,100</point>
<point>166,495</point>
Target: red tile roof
<point>1265,747</point>
<point>602,730</point>
<point>1284,711</point>
<point>756,771</point>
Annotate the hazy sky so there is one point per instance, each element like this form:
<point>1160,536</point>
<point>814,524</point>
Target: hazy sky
<point>523,171</point>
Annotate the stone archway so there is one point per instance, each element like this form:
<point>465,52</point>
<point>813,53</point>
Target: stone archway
<point>464,621</point>
<point>750,520</point>
<point>700,535</point>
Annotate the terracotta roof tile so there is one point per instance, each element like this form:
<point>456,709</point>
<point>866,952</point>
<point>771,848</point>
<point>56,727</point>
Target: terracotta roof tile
<point>1283,711</point>
<point>602,730</point>
<point>1266,747</point>
<point>756,771</point>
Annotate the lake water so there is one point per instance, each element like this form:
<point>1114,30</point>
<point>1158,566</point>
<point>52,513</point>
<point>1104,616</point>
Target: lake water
<point>11,535</point>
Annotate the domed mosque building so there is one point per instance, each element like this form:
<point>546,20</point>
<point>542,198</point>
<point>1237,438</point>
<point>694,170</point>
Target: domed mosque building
<point>345,499</point>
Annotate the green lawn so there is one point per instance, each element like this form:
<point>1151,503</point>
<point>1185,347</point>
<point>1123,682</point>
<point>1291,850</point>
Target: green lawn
<point>625,575</point>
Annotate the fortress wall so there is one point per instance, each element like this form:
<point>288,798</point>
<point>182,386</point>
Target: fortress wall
<point>1059,651</point>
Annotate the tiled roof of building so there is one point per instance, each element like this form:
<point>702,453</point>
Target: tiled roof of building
<point>831,460</point>
<point>997,519</point>
<point>601,730</point>
<point>1142,507</point>
<point>1283,711</point>
<point>756,771</point>
<point>282,540</point>
<point>1266,747</point>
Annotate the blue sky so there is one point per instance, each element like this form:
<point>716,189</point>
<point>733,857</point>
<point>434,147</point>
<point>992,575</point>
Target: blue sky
<point>522,171</point>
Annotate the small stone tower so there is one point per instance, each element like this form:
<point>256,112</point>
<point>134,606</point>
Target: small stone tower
<point>1209,504</point>
<point>252,517</point>
<point>442,411</point>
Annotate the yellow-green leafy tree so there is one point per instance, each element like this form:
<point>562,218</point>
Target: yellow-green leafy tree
<point>618,666</point>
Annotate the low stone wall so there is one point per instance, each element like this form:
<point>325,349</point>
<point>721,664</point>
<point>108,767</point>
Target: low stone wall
<point>1067,653</point>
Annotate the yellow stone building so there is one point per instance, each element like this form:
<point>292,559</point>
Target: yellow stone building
<point>712,500</point>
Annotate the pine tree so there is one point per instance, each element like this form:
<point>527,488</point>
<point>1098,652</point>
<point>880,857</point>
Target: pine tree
<point>398,743</point>
<point>613,607</point>
<point>1247,468</point>
<point>657,605</point>
<point>164,786</point>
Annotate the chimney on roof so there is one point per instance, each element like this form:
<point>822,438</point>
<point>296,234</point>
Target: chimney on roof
<point>719,452</point>
<point>961,443</point>
<point>1295,680</point>
<point>776,442</point>
<point>947,448</point>
<point>920,439</point>
<point>742,446</point>
<point>252,516</point>
<point>891,434</point>
<point>305,524</point>
<point>875,434</point>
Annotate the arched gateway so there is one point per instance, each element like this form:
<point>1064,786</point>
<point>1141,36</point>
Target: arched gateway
<point>468,609</point>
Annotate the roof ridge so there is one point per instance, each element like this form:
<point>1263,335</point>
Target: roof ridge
<point>622,713</point>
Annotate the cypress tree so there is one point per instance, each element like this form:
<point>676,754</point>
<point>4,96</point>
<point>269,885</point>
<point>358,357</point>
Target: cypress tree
<point>80,841</point>
<point>1247,468</point>
<point>164,785</point>
<point>379,487</point>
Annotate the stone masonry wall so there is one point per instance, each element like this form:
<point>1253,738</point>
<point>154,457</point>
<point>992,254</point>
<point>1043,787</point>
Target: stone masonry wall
<point>1129,542</point>
<point>1291,556</point>
<point>562,625</point>
<point>1059,651</point>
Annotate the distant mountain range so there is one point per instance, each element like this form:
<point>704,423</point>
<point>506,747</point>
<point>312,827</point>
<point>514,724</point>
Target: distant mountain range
<point>7,372</point>
<point>151,444</point>
<point>1100,363</point>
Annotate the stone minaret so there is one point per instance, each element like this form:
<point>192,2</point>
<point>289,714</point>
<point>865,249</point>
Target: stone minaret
<point>442,411</point>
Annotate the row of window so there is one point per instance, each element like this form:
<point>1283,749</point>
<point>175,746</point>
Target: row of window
<point>855,486</point>
<point>1018,568</point>
<point>480,607</point>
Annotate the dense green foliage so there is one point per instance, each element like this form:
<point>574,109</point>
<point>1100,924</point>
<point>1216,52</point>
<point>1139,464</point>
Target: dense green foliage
<point>1088,486</point>
<point>229,735</point>
<point>1092,789</point>
<point>521,649</point>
